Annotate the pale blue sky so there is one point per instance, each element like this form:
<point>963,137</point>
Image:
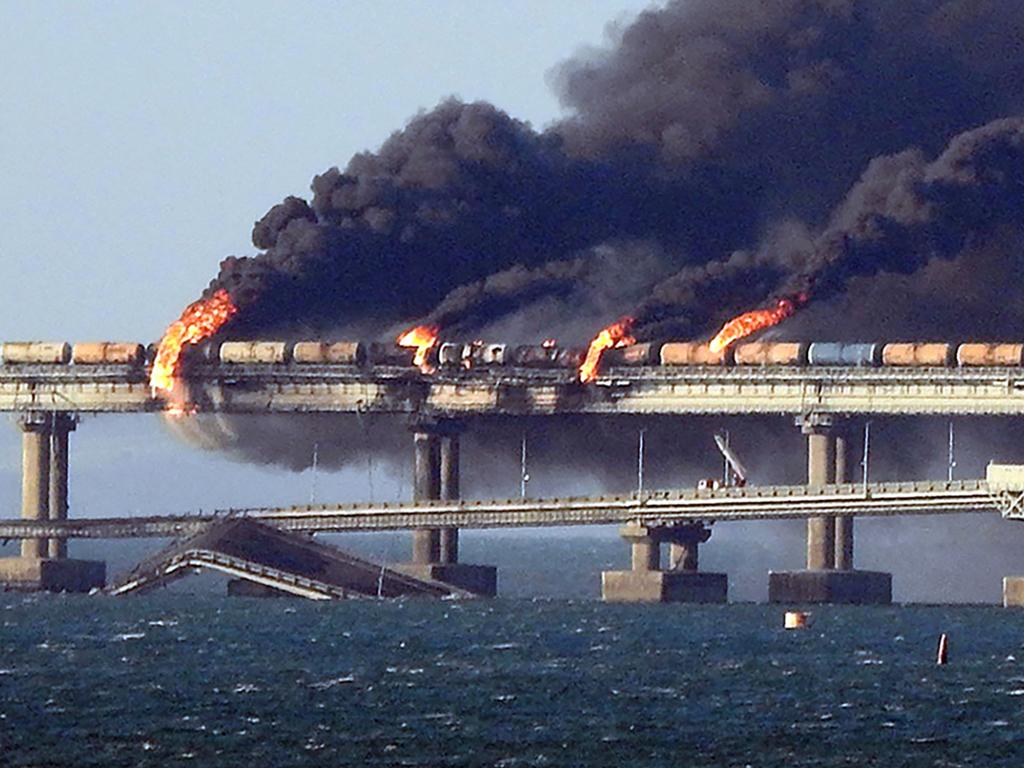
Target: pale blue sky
<point>139,141</point>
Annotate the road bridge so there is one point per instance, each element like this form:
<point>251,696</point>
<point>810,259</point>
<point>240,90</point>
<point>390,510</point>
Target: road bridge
<point>653,509</point>
<point>826,403</point>
<point>270,561</point>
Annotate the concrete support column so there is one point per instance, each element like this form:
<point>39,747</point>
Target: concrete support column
<point>35,478</point>
<point>449,489</point>
<point>63,425</point>
<point>646,554</point>
<point>435,551</point>
<point>426,542</point>
<point>830,576</point>
<point>821,468</point>
<point>646,582</point>
<point>845,463</point>
<point>684,556</point>
<point>685,550</point>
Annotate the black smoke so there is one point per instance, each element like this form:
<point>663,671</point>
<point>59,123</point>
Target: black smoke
<point>695,131</point>
<point>713,154</point>
<point>903,214</point>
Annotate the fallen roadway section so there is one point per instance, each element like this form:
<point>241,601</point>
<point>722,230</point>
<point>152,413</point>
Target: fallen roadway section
<point>1003,492</point>
<point>271,561</point>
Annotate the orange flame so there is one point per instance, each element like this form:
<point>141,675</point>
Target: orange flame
<point>422,338</point>
<point>615,335</point>
<point>750,322</point>
<point>199,321</point>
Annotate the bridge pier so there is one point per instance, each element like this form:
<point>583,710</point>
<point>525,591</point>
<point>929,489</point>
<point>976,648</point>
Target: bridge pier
<point>63,426</point>
<point>449,491</point>
<point>43,564</point>
<point>426,542</point>
<point>830,576</point>
<point>647,582</point>
<point>435,551</point>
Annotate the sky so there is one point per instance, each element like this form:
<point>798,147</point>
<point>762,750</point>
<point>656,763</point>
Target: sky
<point>139,141</point>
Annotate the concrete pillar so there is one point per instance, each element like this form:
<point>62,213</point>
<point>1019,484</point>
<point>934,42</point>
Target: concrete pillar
<point>845,463</point>
<point>684,556</point>
<point>449,488</point>
<point>63,425</point>
<point>821,468</point>
<point>435,551</point>
<point>686,541</point>
<point>646,554</point>
<point>426,542</point>
<point>830,576</point>
<point>646,582</point>
<point>35,478</point>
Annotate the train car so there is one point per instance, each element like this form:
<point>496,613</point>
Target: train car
<point>451,354</point>
<point>487,354</point>
<point>843,354</point>
<point>693,353</point>
<point>918,354</point>
<point>569,357</point>
<point>634,355</point>
<point>975,355</point>
<point>771,353</point>
<point>255,352</point>
<point>108,353</point>
<point>205,352</point>
<point>533,355</point>
<point>387,353</point>
<point>35,352</point>
<point>329,353</point>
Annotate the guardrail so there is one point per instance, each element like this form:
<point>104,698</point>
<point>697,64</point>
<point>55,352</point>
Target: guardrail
<point>650,508</point>
<point>173,566</point>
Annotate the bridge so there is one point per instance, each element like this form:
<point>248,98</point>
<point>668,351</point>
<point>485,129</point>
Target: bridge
<point>255,389</point>
<point>654,509</point>
<point>265,560</point>
<point>825,401</point>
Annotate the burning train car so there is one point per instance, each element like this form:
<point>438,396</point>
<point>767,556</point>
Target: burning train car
<point>452,357</point>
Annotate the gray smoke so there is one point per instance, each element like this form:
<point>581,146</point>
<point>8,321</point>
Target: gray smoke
<point>736,150</point>
<point>696,128</point>
<point>903,214</point>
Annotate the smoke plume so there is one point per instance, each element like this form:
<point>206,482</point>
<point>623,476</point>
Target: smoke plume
<point>712,155</point>
<point>696,128</point>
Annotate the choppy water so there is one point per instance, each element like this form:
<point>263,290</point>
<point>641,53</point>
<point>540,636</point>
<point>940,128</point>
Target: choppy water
<point>178,679</point>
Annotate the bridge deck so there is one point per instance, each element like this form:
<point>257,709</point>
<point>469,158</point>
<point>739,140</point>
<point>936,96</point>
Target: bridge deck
<point>510,391</point>
<point>653,508</point>
<point>270,557</point>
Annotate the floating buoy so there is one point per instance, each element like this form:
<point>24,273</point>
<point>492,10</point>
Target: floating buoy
<point>796,619</point>
<point>943,653</point>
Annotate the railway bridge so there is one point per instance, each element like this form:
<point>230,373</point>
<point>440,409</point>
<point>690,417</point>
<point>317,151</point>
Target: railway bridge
<point>825,403</point>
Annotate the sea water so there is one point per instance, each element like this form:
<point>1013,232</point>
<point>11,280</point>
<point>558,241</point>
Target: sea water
<point>180,678</point>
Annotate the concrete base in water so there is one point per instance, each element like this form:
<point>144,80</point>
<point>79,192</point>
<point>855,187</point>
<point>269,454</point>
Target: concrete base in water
<point>664,587</point>
<point>1013,592</point>
<point>481,580</point>
<point>850,587</point>
<point>34,574</point>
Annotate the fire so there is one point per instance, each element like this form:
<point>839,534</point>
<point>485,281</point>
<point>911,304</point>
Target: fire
<point>423,338</point>
<point>750,322</point>
<point>199,321</point>
<point>615,335</point>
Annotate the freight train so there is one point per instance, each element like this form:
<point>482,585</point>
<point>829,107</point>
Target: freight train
<point>451,357</point>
